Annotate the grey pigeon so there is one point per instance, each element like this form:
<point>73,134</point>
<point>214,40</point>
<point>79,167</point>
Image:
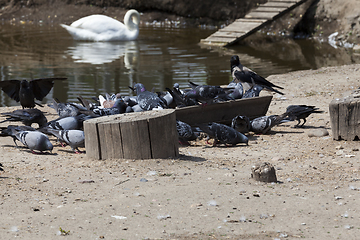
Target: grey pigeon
<point>185,133</point>
<point>244,75</point>
<point>147,100</point>
<point>265,123</point>
<point>26,116</point>
<point>65,109</point>
<point>26,92</point>
<point>205,94</point>
<point>34,140</point>
<point>223,133</point>
<point>241,123</point>
<point>74,138</point>
<point>254,91</point>
<point>298,112</point>
<point>8,132</point>
<point>68,123</point>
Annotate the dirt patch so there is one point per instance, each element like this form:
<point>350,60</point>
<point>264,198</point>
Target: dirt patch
<point>207,192</point>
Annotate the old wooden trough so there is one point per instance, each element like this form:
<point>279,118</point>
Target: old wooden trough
<point>153,134</point>
<point>224,112</point>
<point>345,117</point>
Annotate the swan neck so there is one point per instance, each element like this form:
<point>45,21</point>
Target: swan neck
<point>132,20</point>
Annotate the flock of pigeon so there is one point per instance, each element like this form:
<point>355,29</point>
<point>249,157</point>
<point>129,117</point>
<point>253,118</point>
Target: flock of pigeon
<point>68,127</point>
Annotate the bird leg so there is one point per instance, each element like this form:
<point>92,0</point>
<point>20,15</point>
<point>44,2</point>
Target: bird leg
<point>77,151</point>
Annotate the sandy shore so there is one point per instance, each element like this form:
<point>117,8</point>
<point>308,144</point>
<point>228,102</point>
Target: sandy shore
<point>205,194</point>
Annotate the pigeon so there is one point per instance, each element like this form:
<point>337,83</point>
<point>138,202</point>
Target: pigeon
<point>204,93</point>
<point>26,92</point>
<point>298,112</point>
<point>34,140</point>
<point>265,123</point>
<point>233,91</point>
<point>74,138</point>
<point>67,123</point>
<point>254,91</point>
<point>118,107</point>
<point>65,109</point>
<point>109,100</point>
<point>7,131</point>
<point>26,116</point>
<point>185,133</point>
<point>223,133</point>
<point>241,123</point>
<point>147,100</point>
<point>244,75</point>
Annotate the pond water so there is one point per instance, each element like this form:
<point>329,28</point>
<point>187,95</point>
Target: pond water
<point>159,58</point>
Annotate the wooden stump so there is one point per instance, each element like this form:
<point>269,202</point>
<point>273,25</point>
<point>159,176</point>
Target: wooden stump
<point>345,117</point>
<point>143,135</point>
<point>264,172</point>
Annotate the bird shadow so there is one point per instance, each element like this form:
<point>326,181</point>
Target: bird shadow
<point>190,158</point>
<point>70,151</point>
<point>28,150</point>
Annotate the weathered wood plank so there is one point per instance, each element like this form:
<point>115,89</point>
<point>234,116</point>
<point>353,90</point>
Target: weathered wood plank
<point>224,112</point>
<point>289,1</point>
<point>270,9</point>
<point>262,15</point>
<point>232,34</point>
<point>110,140</point>
<point>245,20</point>
<point>220,39</point>
<point>334,118</point>
<point>136,135</point>
<point>161,132</point>
<point>92,144</point>
<point>276,4</point>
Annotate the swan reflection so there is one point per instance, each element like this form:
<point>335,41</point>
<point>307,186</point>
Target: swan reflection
<point>104,52</point>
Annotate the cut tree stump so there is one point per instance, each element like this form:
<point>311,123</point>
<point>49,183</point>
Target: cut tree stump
<point>263,172</point>
<point>142,135</point>
<point>345,117</point>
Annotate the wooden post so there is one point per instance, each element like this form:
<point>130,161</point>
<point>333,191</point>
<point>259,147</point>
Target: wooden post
<point>143,135</point>
<point>345,117</point>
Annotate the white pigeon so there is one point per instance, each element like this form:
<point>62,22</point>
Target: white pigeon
<point>101,28</point>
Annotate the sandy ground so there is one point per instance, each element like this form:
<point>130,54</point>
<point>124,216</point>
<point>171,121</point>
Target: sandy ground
<point>207,193</point>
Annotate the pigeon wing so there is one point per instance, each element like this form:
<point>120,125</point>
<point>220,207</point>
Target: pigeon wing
<point>42,86</point>
<point>11,88</point>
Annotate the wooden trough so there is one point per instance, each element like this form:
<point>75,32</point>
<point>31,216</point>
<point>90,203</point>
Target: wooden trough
<point>143,135</point>
<point>224,112</point>
<point>345,117</point>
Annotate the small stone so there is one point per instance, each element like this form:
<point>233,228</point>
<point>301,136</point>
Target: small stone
<point>339,153</point>
<point>320,132</point>
<point>143,180</point>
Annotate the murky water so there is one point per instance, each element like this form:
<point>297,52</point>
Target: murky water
<point>159,58</point>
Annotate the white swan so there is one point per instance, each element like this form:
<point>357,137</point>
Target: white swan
<point>103,28</point>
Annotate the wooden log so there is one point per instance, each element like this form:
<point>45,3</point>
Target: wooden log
<point>144,135</point>
<point>345,117</point>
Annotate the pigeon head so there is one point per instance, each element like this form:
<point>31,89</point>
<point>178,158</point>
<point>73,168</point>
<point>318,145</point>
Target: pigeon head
<point>139,87</point>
